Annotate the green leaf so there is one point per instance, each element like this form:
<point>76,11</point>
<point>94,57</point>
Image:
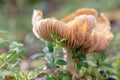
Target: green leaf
<point>50,46</point>
<point>3,56</point>
<point>103,57</point>
<point>73,56</point>
<point>78,66</point>
<point>21,53</point>
<point>13,59</point>
<point>107,65</point>
<point>6,72</point>
<point>14,46</point>
<point>3,43</point>
<point>64,77</point>
<point>11,53</point>
<point>60,44</point>
<point>50,77</point>
<point>84,64</point>
<point>82,57</point>
<point>54,37</point>
<point>61,62</point>
<point>63,39</point>
<point>63,73</point>
<point>97,62</point>
<point>79,52</point>
<point>111,73</point>
<point>118,60</point>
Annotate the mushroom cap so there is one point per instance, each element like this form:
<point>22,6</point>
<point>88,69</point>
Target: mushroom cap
<point>84,29</point>
<point>83,11</point>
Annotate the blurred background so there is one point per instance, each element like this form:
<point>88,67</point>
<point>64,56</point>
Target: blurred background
<point>15,19</point>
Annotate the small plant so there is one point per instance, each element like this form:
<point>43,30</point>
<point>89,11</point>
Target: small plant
<point>96,68</point>
<point>55,66</point>
<point>9,62</point>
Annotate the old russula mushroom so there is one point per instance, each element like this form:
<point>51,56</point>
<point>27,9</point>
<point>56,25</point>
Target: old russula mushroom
<point>82,28</point>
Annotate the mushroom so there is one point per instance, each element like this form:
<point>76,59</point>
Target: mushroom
<point>84,30</point>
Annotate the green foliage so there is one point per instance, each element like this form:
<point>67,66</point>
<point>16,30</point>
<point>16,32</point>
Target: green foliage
<point>50,77</point>
<point>88,71</point>
<point>61,62</point>
<point>2,44</point>
<point>6,72</point>
<point>80,59</point>
<point>9,64</point>
<point>54,37</point>
<point>50,46</point>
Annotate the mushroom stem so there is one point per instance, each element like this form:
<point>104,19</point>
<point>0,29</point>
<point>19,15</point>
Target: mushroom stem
<point>70,66</point>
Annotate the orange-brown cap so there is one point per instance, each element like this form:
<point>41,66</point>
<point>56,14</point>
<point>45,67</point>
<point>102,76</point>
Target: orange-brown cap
<point>83,29</point>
